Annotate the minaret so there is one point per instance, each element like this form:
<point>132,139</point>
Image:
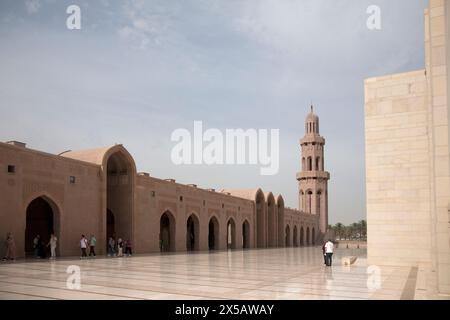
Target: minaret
<point>313,179</point>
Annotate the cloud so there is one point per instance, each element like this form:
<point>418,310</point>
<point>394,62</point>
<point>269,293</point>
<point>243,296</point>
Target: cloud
<point>32,6</point>
<point>144,25</point>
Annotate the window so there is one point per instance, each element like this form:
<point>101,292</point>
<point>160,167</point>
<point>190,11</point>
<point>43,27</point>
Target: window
<point>204,202</point>
<point>72,179</point>
<point>310,201</point>
<point>181,198</point>
<point>11,169</point>
<point>223,205</point>
<point>153,193</point>
<point>309,164</point>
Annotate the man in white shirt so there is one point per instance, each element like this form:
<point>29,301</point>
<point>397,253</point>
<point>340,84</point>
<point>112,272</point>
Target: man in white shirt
<point>329,247</point>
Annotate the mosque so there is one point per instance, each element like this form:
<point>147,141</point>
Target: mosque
<point>100,192</point>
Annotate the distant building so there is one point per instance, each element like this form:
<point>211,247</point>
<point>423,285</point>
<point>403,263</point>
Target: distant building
<point>100,192</point>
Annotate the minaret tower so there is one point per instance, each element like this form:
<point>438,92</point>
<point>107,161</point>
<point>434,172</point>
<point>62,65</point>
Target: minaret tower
<point>313,179</point>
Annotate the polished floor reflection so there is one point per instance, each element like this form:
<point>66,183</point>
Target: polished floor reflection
<point>286,273</point>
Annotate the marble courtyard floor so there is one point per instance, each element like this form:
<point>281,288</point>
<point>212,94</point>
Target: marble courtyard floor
<point>285,273</point>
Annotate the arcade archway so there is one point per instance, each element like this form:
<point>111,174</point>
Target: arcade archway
<point>192,230</point>
<point>213,234</point>
<point>245,235</point>
<point>231,234</point>
<point>167,232</point>
<point>42,218</point>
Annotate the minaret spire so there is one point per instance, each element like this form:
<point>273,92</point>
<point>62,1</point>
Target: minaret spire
<point>313,179</point>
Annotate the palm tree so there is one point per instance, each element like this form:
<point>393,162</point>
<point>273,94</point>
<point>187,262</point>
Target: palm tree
<point>338,228</point>
<point>354,230</point>
<point>363,229</point>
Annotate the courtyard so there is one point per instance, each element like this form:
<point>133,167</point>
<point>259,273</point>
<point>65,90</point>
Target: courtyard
<point>283,273</point>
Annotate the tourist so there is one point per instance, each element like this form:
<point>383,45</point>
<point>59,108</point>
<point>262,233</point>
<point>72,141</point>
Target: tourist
<point>10,247</point>
<point>92,243</point>
<point>83,246</point>
<point>128,248</point>
<point>329,247</point>
<point>52,243</point>
<point>324,254</point>
<point>111,246</point>
<point>120,248</point>
<point>36,246</point>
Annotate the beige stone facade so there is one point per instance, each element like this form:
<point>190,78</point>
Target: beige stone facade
<point>407,161</point>
<point>99,192</point>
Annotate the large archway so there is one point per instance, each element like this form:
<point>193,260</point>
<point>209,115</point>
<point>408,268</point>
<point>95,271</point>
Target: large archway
<point>231,234</point>
<point>213,234</point>
<point>260,220</point>
<point>307,237</point>
<point>192,233</point>
<point>288,236</point>
<point>245,235</point>
<point>119,196</point>
<point>272,221</point>
<point>302,236</point>
<point>295,240</point>
<point>167,232</point>
<point>42,218</point>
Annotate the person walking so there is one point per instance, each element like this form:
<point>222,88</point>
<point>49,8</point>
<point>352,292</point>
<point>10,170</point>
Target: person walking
<point>36,246</point>
<point>324,254</point>
<point>111,245</point>
<point>120,247</point>
<point>10,248</point>
<point>92,243</point>
<point>329,248</point>
<point>52,243</point>
<point>128,248</point>
<point>83,246</point>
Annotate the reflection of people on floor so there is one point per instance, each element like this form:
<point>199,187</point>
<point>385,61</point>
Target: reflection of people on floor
<point>329,248</point>
<point>329,274</point>
<point>10,247</point>
<point>52,243</point>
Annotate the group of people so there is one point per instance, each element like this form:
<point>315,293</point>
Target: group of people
<point>327,250</point>
<point>85,243</point>
<point>40,247</point>
<point>119,248</point>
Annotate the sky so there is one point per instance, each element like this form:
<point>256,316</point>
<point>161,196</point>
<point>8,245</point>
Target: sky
<point>138,70</point>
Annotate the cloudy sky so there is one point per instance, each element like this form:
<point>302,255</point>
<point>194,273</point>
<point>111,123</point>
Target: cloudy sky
<point>137,70</point>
